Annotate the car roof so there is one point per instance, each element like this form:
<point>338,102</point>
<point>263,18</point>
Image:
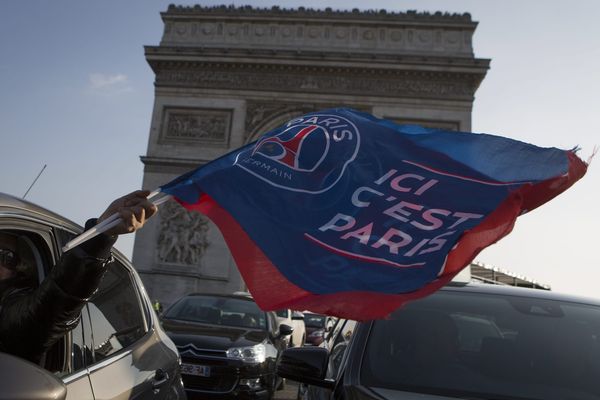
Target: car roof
<point>506,290</point>
<point>13,205</point>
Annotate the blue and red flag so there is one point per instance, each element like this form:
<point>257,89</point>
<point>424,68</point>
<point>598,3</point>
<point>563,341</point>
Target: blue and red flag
<point>345,214</point>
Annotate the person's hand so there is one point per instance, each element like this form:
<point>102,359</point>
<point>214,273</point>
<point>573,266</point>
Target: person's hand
<point>134,209</point>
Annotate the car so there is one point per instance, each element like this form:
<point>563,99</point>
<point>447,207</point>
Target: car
<point>118,346</point>
<point>295,319</point>
<point>465,341</point>
<point>317,327</point>
<point>229,347</point>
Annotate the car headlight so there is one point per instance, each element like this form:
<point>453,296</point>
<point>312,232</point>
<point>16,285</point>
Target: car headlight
<point>251,354</point>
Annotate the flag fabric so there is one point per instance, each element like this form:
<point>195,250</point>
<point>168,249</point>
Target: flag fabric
<point>345,214</point>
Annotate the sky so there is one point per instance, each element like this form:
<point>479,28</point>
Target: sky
<point>76,95</point>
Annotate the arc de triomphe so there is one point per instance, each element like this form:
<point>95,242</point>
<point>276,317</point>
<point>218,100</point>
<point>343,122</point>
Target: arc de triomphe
<point>224,75</point>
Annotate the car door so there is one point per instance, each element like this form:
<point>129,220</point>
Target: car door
<point>126,355</point>
<point>39,246</point>
<point>129,361</point>
<point>337,344</point>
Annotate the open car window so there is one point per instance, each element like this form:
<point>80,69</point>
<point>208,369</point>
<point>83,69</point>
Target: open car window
<point>34,255</point>
<point>36,258</point>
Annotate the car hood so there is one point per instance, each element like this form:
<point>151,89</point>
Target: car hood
<point>214,337</point>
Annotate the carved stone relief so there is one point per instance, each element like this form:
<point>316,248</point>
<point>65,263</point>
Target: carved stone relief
<point>339,81</point>
<point>183,235</point>
<point>202,126</point>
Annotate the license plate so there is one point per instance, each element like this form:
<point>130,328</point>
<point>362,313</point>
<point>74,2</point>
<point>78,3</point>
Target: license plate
<point>197,370</point>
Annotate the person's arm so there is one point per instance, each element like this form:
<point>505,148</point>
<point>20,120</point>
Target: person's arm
<point>33,320</point>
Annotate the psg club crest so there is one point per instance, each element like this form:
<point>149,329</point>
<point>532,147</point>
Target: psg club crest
<point>308,154</point>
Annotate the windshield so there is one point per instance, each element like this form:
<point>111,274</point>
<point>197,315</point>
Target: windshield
<point>487,347</point>
<point>314,320</point>
<point>219,311</point>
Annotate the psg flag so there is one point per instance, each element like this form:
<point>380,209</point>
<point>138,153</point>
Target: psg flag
<point>345,214</point>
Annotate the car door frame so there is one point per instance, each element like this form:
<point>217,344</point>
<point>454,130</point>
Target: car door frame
<point>77,382</point>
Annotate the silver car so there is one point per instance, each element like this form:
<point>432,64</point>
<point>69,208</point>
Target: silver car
<point>118,350</point>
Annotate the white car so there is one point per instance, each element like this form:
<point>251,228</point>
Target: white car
<point>295,319</point>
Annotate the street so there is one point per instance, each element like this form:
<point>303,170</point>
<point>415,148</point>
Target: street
<point>290,391</point>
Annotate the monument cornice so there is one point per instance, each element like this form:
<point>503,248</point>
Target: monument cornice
<point>303,12</point>
<point>326,30</point>
<point>253,55</point>
<point>342,80</point>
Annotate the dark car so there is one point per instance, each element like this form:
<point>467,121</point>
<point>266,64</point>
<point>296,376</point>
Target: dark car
<point>317,327</point>
<point>117,350</point>
<point>462,342</point>
<point>228,346</point>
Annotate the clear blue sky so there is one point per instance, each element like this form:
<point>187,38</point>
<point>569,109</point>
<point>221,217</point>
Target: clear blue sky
<point>76,94</point>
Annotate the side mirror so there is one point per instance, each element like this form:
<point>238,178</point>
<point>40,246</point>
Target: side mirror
<point>21,379</point>
<point>285,330</point>
<point>305,364</point>
<point>297,315</point>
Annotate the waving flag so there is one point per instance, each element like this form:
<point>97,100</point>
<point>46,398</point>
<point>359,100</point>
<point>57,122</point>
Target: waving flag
<point>341,213</point>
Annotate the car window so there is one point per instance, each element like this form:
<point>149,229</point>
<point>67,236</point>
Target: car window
<point>33,245</point>
<point>282,313</point>
<point>116,313</point>
<point>217,310</point>
<point>78,347</point>
<point>338,344</point>
<point>314,320</point>
<point>487,346</point>
<point>34,255</point>
<point>74,341</point>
